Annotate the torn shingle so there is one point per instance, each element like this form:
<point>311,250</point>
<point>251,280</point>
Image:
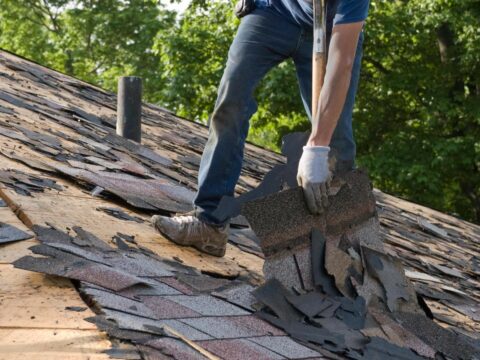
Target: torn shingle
<point>353,339</point>
<point>380,349</point>
<point>124,354</point>
<point>119,214</point>
<point>352,312</point>
<point>352,205</point>
<point>389,271</point>
<point>319,273</point>
<point>314,304</point>
<point>305,332</point>
<point>9,233</point>
<point>274,295</point>
<point>339,265</point>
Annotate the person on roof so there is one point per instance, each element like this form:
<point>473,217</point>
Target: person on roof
<point>274,31</point>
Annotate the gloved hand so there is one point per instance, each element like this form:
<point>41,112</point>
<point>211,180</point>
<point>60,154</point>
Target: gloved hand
<point>314,177</point>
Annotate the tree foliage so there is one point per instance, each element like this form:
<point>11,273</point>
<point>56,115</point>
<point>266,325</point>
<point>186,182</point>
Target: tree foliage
<point>95,40</point>
<point>417,117</point>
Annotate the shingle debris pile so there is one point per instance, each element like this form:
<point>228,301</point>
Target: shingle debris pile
<point>332,284</point>
<point>26,184</point>
<point>166,309</point>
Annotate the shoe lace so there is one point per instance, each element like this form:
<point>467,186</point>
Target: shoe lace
<point>189,223</point>
<point>185,219</point>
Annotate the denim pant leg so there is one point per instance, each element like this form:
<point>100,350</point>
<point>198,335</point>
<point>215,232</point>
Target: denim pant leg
<point>342,144</point>
<point>263,40</point>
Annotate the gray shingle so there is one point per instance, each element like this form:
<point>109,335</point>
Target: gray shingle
<point>285,346</point>
<point>207,305</point>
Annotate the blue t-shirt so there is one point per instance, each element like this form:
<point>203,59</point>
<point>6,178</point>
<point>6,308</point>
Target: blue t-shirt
<point>338,11</point>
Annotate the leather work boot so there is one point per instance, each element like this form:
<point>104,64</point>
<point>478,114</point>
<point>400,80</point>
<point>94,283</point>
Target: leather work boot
<point>187,230</point>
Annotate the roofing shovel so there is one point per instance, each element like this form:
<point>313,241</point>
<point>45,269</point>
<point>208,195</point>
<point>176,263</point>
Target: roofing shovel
<point>319,57</point>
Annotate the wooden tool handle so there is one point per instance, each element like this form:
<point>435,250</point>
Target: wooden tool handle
<point>318,76</point>
<point>319,57</point>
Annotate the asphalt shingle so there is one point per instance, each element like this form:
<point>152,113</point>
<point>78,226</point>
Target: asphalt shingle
<point>285,346</point>
<point>208,305</point>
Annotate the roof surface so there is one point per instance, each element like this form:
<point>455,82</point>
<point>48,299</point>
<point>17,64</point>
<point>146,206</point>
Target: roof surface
<point>62,166</point>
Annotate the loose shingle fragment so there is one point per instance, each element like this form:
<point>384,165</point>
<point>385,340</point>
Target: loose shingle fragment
<point>380,349</point>
<point>274,295</point>
<point>320,276</point>
<point>76,308</point>
<point>314,304</point>
<point>389,271</point>
<point>341,266</point>
<point>119,214</point>
<point>449,271</point>
<point>433,229</point>
<point>305,332</point>
<point>353,339</point>
<point>352,312</point>
<point>124,354</point>
<point>85,238</point>
<point>9,233</point>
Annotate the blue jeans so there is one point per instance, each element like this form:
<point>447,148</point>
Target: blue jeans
<point>264,39</point>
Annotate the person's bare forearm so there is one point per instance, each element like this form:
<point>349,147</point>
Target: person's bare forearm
<point>337,81</point>
<point>332,99</point>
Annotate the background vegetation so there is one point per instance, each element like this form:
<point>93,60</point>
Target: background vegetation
<point>417,117</point>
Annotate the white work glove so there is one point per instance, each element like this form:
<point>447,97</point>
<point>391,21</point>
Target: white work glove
<point>314,177</point>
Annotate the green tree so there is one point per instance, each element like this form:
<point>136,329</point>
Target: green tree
<point>418,109</point>
<point>95,40</point>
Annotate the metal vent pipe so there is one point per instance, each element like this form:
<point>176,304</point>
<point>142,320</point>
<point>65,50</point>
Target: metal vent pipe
<point>129,108</point>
